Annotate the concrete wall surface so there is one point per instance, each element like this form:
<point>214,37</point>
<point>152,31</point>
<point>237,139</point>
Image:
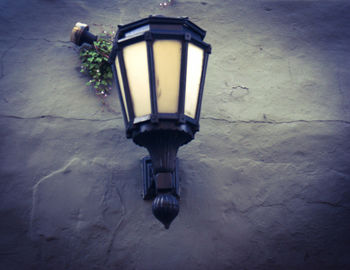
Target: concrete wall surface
<point>265,184</point>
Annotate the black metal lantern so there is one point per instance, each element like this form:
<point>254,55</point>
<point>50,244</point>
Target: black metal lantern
<point>159,64</point>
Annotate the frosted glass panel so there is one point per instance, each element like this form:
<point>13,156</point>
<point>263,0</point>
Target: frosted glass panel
<point>167,63</point>
<point>136,65</point>
<point>121,86</point>
<point>193,78</point>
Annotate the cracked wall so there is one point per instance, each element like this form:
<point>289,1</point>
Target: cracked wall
<point>265,184</point>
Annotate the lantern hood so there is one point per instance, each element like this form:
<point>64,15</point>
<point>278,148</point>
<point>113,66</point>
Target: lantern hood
<point>155,21</point>
<point>158,25</point>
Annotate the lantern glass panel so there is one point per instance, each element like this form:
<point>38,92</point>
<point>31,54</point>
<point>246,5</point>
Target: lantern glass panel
<point>167,64</point>
<point>136,65</point>
<point>195,57</point>
<point>121,85</point>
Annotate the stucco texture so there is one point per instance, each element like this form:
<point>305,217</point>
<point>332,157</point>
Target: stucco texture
<point>264,185</point>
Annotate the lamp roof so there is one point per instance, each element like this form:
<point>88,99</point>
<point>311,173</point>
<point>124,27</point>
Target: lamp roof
<point>154,23</point>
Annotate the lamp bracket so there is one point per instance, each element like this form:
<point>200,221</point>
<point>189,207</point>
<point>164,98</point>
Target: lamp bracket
<point>150,190</point>
<point>80,34</point>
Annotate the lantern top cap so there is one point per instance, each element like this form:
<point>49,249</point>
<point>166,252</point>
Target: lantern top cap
<point>159,19</point>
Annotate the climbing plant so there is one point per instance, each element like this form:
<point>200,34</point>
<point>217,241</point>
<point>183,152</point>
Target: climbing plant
<point>95,64</point>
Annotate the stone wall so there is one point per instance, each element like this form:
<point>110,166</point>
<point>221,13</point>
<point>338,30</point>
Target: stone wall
<point>265,184</point>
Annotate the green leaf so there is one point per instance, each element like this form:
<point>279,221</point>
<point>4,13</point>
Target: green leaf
<point>95,63</point>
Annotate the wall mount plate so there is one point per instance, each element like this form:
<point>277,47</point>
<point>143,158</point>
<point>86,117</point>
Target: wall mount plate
<point>149,191</point>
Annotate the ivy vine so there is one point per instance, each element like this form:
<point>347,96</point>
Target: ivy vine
<point>95,64</point>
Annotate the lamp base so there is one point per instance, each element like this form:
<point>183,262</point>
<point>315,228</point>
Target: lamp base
<point>162,141</point>
<point>149,191</point>
<point>165,208</point>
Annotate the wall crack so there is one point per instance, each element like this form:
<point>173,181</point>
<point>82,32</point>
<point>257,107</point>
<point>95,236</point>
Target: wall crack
<point>329,204</point>
<point>273,121</point>
<point>115,231</point>
<point>2,57</point>
<point>57,117</point>
<point>36,186</point>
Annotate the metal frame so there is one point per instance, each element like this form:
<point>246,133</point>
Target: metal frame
<point>201,86</point>
<point>152,79</point>
<point>164,20</point>
<point>183,71</point>
<point>159,28</point>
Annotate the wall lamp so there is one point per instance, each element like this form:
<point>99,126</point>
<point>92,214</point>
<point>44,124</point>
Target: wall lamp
<point>159,64</point>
